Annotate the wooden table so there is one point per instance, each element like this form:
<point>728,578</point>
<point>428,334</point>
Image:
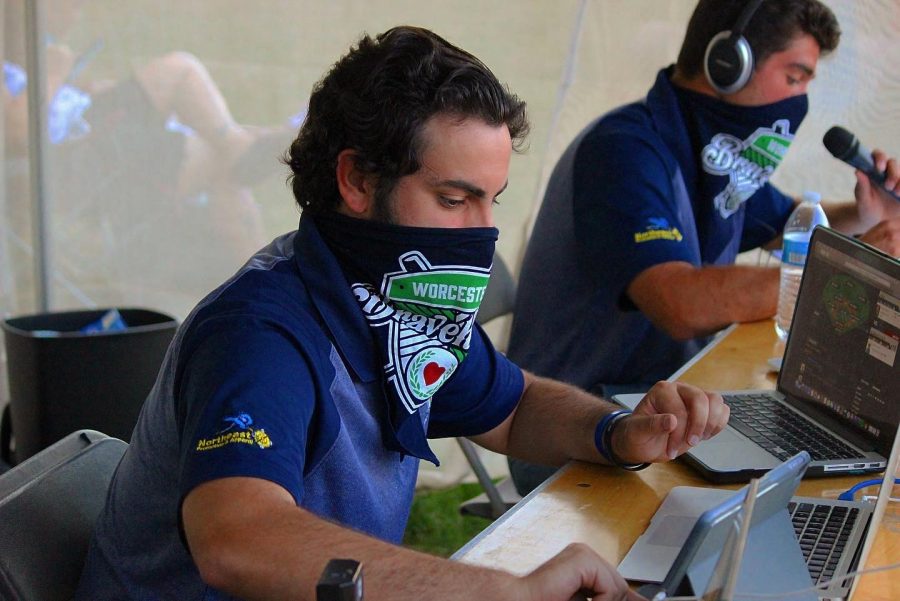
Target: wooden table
<point>608,509</point>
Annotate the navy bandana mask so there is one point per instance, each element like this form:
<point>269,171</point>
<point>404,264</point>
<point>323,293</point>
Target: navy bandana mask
<point>739,148</point>
<point>419,290</point>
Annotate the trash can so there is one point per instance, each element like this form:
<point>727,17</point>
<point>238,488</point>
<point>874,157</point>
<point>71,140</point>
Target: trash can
<point>62,380</point>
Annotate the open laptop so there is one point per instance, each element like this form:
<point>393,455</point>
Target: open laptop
<point>685,537</point>
<point>837,394</point>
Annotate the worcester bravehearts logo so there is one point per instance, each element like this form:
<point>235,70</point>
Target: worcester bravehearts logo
<point>429,312</point>
<point>748,164</point>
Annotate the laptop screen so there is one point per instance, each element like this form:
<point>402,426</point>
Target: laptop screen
<point>842,353</point>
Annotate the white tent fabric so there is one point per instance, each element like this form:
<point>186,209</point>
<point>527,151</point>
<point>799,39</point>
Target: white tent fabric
<point>119,235</point>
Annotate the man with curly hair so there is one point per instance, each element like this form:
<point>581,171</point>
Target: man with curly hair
<point>296,401</point>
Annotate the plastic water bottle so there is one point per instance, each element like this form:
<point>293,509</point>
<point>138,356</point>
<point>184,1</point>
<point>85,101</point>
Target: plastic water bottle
<point>797,232</point>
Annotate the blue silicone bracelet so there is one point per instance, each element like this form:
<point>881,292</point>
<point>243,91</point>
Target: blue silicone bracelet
<point>600,433</point>
<point>603,440</point>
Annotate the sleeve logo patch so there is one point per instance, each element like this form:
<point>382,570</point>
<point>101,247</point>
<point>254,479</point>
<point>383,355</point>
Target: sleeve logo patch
<point>238,430</point>
<point>658,228</point>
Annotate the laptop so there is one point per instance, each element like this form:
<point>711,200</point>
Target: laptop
<point>679,549</point>
<point>837,393</point>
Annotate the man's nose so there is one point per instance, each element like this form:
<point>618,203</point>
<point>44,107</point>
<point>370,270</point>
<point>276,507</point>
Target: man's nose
<point>483,216</point>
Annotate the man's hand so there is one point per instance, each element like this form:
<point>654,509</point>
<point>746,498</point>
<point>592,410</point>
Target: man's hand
<point>879,213</point>
<point>575,572</point>
<point>885,236</point>
<point>668,421</point>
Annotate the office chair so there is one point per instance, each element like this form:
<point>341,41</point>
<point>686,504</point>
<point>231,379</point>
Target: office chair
<point>48,506</point>
<point>499,300</point>
<point>500,296</point>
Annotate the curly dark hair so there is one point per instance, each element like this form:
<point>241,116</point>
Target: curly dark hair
<point>772,27</point>
<point>376,101</point>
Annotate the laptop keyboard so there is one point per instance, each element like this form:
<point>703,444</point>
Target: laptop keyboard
<point>823,531</point>
<point>781,431</point>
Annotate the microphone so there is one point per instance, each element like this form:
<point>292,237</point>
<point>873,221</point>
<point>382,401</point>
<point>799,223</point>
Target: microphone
<point>844,146</point>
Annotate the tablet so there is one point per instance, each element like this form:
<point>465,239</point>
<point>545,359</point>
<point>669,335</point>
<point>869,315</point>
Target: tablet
<point>772,561</point>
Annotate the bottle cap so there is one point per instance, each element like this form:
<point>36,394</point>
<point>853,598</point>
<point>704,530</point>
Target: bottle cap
<point>813,197</point>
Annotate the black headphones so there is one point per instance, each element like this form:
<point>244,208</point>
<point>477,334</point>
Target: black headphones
<point>728,62</point>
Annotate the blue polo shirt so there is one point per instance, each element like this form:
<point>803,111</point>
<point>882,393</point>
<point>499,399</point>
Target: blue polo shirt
<point>623,198</point>
<point>274,376</point>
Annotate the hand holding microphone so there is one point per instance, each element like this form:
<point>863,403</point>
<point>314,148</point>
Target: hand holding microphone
<point>846,147</point>
<point>878,215</point>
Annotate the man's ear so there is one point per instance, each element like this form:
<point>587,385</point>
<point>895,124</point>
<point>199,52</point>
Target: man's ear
<point>357,189</point>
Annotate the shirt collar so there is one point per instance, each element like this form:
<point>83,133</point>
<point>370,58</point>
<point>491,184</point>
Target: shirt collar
<point>666,112</point>
<point>331,295</point>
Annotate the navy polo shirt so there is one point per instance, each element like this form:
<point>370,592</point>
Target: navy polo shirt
<point>274,376</point>
<point>623,198</point>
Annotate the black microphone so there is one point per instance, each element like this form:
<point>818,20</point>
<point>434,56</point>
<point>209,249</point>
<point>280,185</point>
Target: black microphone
<point>844,146</point>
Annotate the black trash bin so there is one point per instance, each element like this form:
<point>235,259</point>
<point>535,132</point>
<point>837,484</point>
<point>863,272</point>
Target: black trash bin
<point>62,380</point>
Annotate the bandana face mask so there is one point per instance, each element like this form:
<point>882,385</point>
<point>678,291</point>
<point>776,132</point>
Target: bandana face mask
<point>740,147</point>
<point>419,289</point>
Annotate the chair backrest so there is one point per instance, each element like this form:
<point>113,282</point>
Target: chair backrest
<point>499,300</point>
<point>500,296</point>
<point>48,506</point>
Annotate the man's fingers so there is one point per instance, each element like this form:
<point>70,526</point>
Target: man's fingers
<point>880,159</point>
<point>655,425</point>
<point>574,571</point>
<point>889,167</point>
<point>719,413</point>
<point>697,415</point>
<point>862,185</point>
<point>697,403</point>
<point>642,428</point>
<point>640,437</point>
<point>892,175</point>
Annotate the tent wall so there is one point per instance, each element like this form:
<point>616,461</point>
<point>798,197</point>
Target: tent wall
<point>118,235</point>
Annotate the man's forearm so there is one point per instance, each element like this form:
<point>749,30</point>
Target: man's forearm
<point>283,553</point>
<point>688,301</point>
<point>553,423</point>
<point>844,217</point>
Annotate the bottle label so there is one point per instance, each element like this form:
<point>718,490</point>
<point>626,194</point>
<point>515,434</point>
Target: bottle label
<point>794,252</point>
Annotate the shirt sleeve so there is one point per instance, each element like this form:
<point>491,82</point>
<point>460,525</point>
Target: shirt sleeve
<point>480,395</point>
<point>767,212</point>
<point>245,398</point>
<point>625,214</point>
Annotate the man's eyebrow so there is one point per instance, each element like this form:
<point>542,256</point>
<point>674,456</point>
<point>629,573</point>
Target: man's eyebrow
<point>804,67</point>
<point>468,187</point>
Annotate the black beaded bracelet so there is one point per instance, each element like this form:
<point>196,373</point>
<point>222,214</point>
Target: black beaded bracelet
<point>603,441</point>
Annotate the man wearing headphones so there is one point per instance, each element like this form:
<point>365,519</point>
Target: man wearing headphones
<point>648,207</point>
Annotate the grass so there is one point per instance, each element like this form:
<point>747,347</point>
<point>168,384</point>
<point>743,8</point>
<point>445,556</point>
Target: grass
<point>435,525</point>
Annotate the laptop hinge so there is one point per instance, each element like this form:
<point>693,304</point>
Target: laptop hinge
<point>826,420</point>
